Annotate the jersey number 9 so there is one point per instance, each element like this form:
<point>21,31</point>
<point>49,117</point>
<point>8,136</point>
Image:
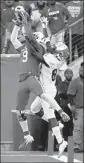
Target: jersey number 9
<point>25,55</point>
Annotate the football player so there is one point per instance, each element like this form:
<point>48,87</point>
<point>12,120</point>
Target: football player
<point>31,55</point>
<point>41,108</point>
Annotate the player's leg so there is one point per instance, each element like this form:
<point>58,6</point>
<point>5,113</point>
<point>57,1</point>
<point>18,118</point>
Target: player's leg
<point>55,125</point>
<point>36,105</point>
<point>48,115</point>
<point>35,87</point>
<point>22,101</point>
<point>56,129</point>
<point>37,109</point>
<point>55,106</point>
<point>25,87</point>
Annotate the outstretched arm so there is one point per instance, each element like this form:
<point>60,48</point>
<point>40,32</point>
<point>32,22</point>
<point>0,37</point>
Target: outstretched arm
<point>30,37</point>
<point>36,49</point>
<point>17,44</point>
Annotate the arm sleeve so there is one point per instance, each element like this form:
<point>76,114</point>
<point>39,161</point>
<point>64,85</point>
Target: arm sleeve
<point>17,44</point>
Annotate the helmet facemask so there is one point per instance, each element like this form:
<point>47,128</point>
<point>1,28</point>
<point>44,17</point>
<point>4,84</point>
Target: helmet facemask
<point>61,51</point>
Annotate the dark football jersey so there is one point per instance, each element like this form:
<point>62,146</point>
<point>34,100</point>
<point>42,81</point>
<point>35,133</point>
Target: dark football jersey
<point>31,54</point>
<point>29,61</point>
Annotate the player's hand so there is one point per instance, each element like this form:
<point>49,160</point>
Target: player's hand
<point>44,21</point>
<point>25,17</point>
<point>64,117</point>
<point>16,22</point>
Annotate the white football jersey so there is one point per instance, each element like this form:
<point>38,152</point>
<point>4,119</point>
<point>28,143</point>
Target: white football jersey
<point>53,63</point>
<point>47,72</point>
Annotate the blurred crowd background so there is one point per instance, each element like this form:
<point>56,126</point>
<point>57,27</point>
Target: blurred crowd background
<point>74,39</point>
<point>73,36</point>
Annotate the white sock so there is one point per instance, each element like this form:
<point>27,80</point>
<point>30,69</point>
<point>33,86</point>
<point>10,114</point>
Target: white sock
<point>25,136</point>
<point>57,133</point>
<point>24,126</point>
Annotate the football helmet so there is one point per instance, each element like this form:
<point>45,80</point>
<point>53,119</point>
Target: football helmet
<point>21,12</point>
<point>61,51</point>
<point>19,9</point>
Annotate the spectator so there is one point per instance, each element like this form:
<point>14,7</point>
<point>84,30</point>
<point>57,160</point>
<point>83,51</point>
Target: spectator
<point>21,2</point>
<point>41,5</point>
<point>35,17</point>
<point>25,2</point>
<point>54,25</point>
<point>76,11</point>
<point>7,14</point>
<point>57,21</point>
<point>76,98</point>
<point>63,100</point>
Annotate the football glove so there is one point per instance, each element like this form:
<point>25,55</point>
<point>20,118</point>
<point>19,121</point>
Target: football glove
<point>64,117</point>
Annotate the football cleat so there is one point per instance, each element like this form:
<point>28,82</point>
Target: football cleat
<point>62,147</point>
<point>26,141</point>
